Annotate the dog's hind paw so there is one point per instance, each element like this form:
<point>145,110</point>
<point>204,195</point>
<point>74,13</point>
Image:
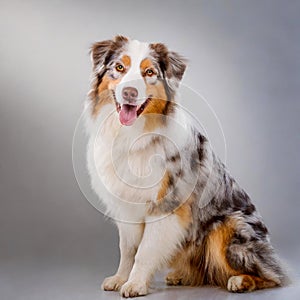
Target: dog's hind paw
<point>173,279</point>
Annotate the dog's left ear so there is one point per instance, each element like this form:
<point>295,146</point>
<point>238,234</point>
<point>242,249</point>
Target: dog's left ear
<point>177,66</point>
<point>172,64</point>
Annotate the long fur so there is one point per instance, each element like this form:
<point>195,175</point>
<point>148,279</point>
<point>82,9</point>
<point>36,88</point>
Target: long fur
<point>173,200</point>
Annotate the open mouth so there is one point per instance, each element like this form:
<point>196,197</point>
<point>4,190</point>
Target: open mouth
<point>128,113</point>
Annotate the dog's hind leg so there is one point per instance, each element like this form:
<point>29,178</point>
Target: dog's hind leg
<point>239,256</point>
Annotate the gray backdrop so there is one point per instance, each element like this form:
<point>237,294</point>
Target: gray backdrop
<point>244,58</point>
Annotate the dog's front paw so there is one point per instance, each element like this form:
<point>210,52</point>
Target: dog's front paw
<point>134,289</point>
<point>112,283</point>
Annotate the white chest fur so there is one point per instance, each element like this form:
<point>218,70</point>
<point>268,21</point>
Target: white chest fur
<point>125,167</point>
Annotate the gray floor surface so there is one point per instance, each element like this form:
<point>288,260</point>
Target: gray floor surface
<point>35,279</point>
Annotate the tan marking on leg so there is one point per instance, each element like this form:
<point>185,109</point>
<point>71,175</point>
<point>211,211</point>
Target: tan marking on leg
<point>165,182</point>
<point>218,269</point>
<point>142,225</point>
<point>189,265</point>
<point>154,207</point>
<point>184,213</point>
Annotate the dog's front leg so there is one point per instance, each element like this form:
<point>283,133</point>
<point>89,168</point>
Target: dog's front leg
<point>130,237</point>
<point>160,239</point>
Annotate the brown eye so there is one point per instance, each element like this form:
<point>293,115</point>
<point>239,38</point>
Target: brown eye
<point>149,72</point>
<point>120,68</point>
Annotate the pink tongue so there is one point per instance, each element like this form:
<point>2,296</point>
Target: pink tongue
<point>127,114</point>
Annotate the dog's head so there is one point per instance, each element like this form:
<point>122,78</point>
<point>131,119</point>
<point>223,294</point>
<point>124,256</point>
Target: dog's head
<point>142,78</point>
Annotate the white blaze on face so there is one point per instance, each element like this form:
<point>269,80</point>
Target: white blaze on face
<point>133,79</point>
<point>137,51</point>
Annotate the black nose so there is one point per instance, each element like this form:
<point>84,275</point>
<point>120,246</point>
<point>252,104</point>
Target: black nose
<point>130,94</point>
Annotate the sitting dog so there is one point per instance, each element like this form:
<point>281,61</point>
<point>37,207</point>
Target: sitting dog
<point>173,200</point>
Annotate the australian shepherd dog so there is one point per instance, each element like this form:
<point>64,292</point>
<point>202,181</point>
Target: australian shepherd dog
<point>172,199</point>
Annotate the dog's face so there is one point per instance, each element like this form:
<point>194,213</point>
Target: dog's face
<point>141,77</point>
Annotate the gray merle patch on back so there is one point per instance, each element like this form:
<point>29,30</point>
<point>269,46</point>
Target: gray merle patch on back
<point>198,155</point>
<point>241,201</point>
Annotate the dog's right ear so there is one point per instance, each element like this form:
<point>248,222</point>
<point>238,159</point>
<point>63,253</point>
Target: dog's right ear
<point>101,52</point>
